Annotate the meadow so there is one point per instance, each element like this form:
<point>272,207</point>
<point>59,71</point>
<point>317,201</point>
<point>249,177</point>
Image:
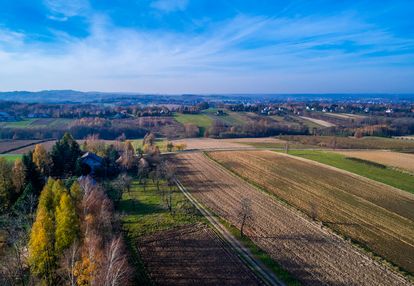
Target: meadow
<point>202,121</point>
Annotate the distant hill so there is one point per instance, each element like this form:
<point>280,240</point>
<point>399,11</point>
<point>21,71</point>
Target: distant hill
<point>73,96</point>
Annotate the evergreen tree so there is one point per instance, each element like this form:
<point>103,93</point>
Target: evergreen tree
<point>67,224</point>
<point>65,155</point>
<point>32,175</point>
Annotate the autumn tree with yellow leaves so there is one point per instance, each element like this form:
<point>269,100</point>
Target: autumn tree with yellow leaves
<point>42,159</point>
<point>67,225</point>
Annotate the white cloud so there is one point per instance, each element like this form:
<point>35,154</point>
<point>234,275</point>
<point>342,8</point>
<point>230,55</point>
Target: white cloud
<point>169,5</point>
<point>61,10</point>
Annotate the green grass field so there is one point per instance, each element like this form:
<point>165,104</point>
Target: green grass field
<point>385,175</point>
<point>11,157</point>
<point>18,124</point>
<point>230,118</point>
<point>38,123</point>
<point>145,213</point>
<point>203,121</point>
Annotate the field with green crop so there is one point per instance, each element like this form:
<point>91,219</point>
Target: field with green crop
<point>10,157</point>
<point>202,121</point>
<point>17,124</point>
<point>229,118</point>
<point>372,171</point>
<point>38,123</point>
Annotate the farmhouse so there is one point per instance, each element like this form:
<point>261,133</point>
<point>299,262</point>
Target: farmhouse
<point>92,161</point>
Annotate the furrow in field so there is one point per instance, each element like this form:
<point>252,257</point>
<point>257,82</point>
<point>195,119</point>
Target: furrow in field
<point>375,215</point>
<point>312,254</point>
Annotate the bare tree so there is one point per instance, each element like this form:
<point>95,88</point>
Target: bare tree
<point>313,210</point>
<point>116,269</point>
<point>69,259</point>
<point>245,213</point>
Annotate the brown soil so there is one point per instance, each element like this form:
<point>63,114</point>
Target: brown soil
<point>376,215</point>
<point>11,145</point>
<point>192,255</point>
<point>312,254</point>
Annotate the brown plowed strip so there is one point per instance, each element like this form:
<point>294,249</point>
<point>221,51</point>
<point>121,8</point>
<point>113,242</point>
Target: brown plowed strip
<point>374,214</point>
<point>313,255</point>
<point>192,255</point>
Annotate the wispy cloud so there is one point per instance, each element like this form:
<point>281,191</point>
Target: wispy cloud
<point>242,54</point>
<point>61,10</point>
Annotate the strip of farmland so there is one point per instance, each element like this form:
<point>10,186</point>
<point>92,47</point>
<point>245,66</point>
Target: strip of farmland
<point>377,216</point>
<point>313,255</point>
<point>193,255</point>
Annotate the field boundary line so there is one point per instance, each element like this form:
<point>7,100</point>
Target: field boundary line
<point>266,276</point>
<point>25,146</point>
<point>360,249</point>
<point>368,180</point>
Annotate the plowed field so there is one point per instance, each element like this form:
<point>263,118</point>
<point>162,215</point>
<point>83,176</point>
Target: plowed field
<point>192,255</point>
<point>313,255</point>
<point>376,215</point>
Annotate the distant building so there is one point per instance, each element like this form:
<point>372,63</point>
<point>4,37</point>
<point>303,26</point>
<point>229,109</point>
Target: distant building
<point>92,162</point>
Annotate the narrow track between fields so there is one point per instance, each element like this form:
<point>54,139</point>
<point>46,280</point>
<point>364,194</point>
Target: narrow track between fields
<point>266,275</point>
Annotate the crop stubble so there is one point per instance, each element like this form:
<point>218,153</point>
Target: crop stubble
<point>312,254</point>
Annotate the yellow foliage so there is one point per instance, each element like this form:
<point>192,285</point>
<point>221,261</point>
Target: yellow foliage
<point>57,191</point>
<point>84,271</point>
<point>41,255</point>
<point>67,223</point>
<point>41,158</point>
<point>76,192</point>
<point>46,196</point>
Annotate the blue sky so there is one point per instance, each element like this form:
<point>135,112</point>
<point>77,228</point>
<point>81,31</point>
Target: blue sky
<point>208,46</point>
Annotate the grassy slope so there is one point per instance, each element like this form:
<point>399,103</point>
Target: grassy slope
<point>203,121</point>
<point>231,118</point>
<point>387,176</point>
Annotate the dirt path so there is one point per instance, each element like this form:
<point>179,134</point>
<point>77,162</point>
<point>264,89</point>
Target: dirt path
<point>244,253</point>
<point>313,255</point>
